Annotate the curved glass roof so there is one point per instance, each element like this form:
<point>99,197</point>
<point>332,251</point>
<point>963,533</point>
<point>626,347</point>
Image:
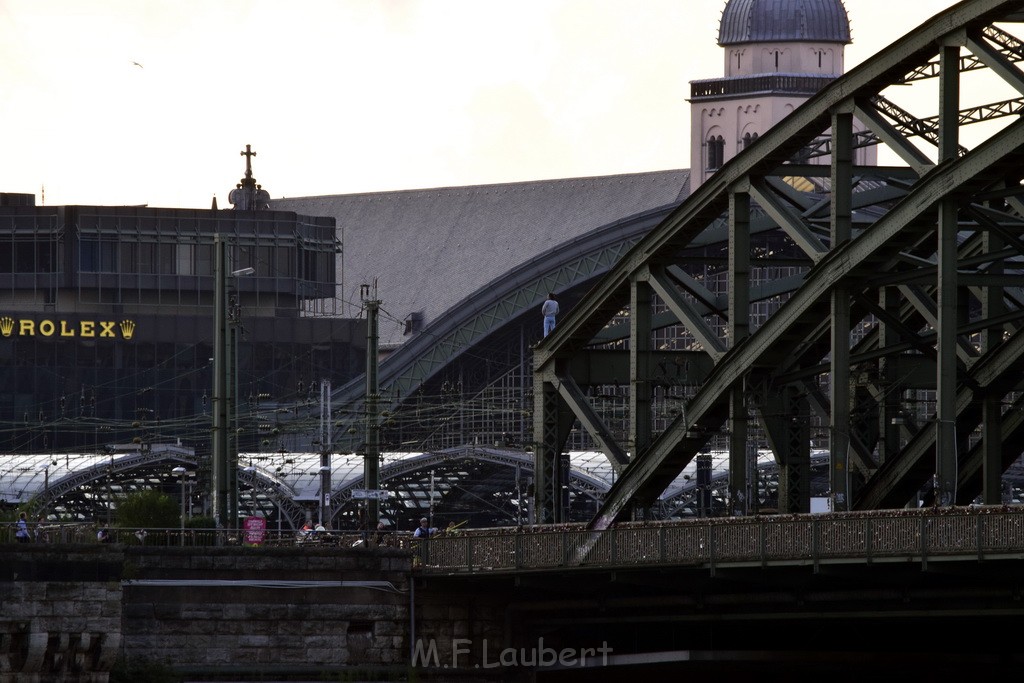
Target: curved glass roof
<point>24,476</point>
<point>484,486</point>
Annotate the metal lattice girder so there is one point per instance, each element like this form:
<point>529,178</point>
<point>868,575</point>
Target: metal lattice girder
<point>404,468</point>
<point>898,237</point>
<point>898,479</point>
<point>552,421</point>
<point>121,466</point>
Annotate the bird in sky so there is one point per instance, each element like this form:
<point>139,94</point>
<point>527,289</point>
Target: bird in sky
<point>137,64</point>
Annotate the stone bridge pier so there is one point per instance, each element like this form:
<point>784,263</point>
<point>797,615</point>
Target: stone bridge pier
<point>69,613</point>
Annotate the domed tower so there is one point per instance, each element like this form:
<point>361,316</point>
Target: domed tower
<point>248,195</point>
<point>777,54</point>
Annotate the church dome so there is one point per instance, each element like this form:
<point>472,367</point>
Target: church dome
<point>775,21</point>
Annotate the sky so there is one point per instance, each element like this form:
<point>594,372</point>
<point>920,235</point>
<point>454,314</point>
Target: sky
<point>130,102</point>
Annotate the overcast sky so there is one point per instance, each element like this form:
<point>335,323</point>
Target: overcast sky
<point>151,101</point>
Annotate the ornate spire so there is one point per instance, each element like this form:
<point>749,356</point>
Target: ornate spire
<point>248,195</point>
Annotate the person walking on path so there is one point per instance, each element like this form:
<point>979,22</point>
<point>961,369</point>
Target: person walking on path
<point>424,530</point>
<point>22,533</point>
<point>549,309</point>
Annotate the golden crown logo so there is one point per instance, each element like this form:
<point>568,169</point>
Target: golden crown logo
<point>127,328</point>
<point>6,325</point>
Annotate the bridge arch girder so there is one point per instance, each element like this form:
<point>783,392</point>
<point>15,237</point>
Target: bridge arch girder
<point>889,254</point>
<point>507,303</point>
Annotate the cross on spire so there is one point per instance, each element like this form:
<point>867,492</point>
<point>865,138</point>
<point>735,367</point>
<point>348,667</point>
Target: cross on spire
<point>248,195</point>
<point>248,154</point>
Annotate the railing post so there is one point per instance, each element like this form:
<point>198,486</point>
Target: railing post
<point>980,526</point>
<point>924,542</point>
<point>868,538</point>
<point>711,548</point>
<point>762,542</point>
<point>662,550</point>
<point>816,543</point>
<point>518,550</point>
<point>469,552</point>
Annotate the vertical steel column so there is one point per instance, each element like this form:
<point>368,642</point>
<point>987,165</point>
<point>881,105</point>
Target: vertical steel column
<point>795,468</point>
<point>371,460</point>
<point>552,423</point>
<point>945,401</point>
<point>325,455</point>
<point>739,329</point>
<point>547,505</point>
<point>892,416</point>
<point>640,364</point>
<point>231,470</point>
<point>220,383</point>
<point>992,439</point>
<point>842,187</point>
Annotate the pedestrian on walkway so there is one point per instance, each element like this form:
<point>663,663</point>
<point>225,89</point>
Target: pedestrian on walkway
<point>549,309</point>
<point>22,533</point>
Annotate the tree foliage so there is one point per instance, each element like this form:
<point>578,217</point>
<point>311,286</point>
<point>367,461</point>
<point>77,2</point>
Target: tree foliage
<point>148,509</point>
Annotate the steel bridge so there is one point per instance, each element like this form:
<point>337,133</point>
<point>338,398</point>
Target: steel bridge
<point>879,305</point>
<point>721,323</point>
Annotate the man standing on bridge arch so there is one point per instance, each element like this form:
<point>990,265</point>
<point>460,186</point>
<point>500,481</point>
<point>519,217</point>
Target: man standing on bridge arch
<point>549,309</point>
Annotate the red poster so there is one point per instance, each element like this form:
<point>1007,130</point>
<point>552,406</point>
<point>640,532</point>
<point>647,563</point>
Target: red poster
<point>255,530</point>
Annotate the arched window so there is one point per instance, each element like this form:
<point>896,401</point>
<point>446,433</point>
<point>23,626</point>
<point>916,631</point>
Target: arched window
<point>748,139</point>
<point>716,152</point>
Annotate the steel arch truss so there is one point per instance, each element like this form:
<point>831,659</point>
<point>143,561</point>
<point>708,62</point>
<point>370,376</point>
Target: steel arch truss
<point>898,334</point>
<point>484,486</point>
<point>499,306</point>
<point>88,493</point>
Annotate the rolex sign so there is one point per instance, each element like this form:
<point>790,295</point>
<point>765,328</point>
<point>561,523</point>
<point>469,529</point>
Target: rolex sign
<point>66,329</point>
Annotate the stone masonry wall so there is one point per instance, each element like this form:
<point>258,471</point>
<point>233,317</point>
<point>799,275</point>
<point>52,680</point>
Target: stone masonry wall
<point>267,608</point>
<point>68,611</point>
<point>60,614</point>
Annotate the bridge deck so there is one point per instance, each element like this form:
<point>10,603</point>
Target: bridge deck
<point>984,532</point>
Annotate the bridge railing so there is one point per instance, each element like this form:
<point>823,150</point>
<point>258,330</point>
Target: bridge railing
<point>898,534</point>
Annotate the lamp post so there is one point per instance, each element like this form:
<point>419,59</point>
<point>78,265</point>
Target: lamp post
<point>181,471</point>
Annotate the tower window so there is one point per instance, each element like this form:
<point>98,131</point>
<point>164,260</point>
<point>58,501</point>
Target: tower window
<point>716,152</point>
<point>748,139</point>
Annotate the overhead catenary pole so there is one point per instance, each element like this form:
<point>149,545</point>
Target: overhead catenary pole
<point>221,383</point>
<point>225,378</point>
<point>371,461</point>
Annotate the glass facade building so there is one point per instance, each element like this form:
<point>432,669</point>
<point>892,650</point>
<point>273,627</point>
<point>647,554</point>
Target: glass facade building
<point>107,321</point>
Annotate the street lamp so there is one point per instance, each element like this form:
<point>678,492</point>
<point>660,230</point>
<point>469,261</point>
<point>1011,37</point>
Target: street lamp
<point>181,472</point>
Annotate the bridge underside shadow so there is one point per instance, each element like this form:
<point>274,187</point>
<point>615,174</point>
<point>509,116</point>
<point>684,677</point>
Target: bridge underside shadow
<point>806,301</point>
